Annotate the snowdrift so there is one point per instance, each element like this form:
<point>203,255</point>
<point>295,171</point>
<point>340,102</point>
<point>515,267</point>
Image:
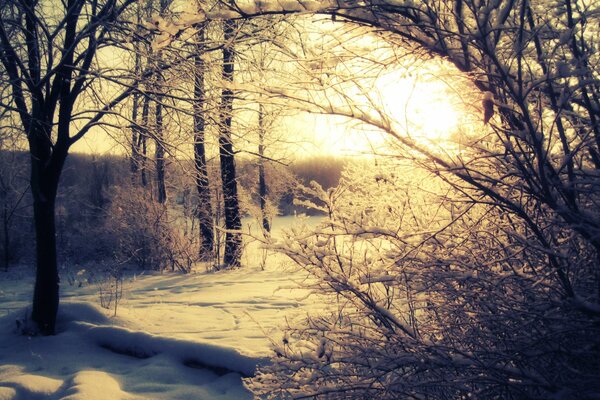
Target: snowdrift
<point>94,357</point>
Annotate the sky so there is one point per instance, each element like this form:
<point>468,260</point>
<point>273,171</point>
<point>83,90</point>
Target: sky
<point>426,107</point>
<point>422,98</point>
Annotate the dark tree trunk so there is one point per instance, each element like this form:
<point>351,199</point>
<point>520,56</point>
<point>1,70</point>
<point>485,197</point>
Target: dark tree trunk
<point>48,156</point>
<point>46,291</point>
<point>135,141</point>
<point>135,131</point>
<point>263,191</point>
<point>6,231</point>
<point>160,154</point>
<point>233,240</point>
<point>143,137</point>
<point>205,214</point>
<point>46,168</point>
<point>47,161</point>
<point>159,149</point>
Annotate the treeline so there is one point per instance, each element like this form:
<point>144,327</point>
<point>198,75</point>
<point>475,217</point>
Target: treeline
<point>325,170</point>
<point>99,210</point>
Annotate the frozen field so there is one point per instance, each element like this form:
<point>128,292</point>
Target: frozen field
<point>175,336</point>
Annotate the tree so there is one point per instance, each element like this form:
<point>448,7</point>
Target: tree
<point>205,214</point>
<point>136,134</point>
<point>233,223</point>
<point>50,62</point>
<point>261,63</point>
<point>260,60</point>
<point>159,137</point>
<point>262,183</point>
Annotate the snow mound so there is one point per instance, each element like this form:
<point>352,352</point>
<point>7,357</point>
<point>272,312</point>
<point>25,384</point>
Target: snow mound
<point>85,385</point>
<point>29,387</point>
<point>90,321</point>
<point>142,345</point>
<point>7,393</point>
<point>95,385</point>
<point>86,312</point>
<point>90,359</point>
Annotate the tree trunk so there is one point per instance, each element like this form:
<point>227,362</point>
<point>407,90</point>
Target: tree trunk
<point>160,154</point>
<point>204,213</point>
<point>135,142</point>
<point>233,240</point>
<point>143,137</point>
<point>158,122</point>
<point>47,162</point>
<point>135,132</point>
<point>46,291</point>
<point>6,230</point>
<point>46,168</point>
<point>262,183</point>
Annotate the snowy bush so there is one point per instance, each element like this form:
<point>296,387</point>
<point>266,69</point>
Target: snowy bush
<point>436,295</point>
<point>147,236</point>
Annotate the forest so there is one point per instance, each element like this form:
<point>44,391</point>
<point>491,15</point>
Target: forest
<point>93,188</point>
<point>298,199</point>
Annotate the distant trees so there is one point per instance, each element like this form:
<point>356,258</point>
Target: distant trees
<point>12,201</point>
<point>325,170</point>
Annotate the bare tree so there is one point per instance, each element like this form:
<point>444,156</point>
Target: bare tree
<point>136,134</point>
<point>205,214</point>
<point>262,183</point>
<point>49,60</point>
<point>233,224</point>
<point>159,136</point>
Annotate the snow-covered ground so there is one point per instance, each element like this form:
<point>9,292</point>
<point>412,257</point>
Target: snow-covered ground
<point>175,336</point>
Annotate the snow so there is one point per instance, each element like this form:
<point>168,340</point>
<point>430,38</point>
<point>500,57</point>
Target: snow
<point>175,336</point>
<point>219,14</point>
<point>94,385</point>
<point>32,384</point>
<point>187,20</point>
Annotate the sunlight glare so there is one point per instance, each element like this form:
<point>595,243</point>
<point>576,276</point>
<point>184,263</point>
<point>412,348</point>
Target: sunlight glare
<point>425,110</point>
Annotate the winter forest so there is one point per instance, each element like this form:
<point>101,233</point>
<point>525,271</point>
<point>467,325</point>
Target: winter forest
<point>299,199</point>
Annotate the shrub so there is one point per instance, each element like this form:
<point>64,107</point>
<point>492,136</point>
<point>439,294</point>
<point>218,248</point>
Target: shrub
<point>147,236</point>
<point>434,296</point>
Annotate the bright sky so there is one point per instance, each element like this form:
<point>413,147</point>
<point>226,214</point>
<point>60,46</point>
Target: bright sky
<point>422,107</point>
<point>427,109</point>
<point>423,103</point>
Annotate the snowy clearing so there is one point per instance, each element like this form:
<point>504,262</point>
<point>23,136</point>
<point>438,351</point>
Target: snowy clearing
<point>175,336</point>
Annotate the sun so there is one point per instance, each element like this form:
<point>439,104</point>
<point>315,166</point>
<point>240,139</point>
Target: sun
<point>434,120</point>
<point>426,110</point>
